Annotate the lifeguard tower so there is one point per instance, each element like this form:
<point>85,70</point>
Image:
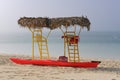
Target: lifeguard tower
<point>71,38</point>
<point>42,42</point>
<point>71,46</point>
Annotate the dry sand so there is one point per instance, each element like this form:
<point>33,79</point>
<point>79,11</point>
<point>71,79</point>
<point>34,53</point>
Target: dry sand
<point>107,70</point>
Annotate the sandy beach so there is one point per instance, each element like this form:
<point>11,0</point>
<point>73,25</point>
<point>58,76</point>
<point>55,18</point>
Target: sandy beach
<point>107,70</point>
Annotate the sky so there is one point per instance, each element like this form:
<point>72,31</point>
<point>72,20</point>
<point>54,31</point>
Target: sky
<point>104,15</point>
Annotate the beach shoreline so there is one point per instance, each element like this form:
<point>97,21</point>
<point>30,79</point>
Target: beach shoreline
<point>107,70</point>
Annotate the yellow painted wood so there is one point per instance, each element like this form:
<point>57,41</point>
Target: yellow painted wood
<point>42,42</point>
<point>64,45</point>
<point>32,45</point>
<point>73,50</point>
<point>48,34</point>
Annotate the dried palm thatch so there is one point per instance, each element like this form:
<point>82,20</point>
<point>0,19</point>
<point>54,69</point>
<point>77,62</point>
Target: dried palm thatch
<point>54,23</point>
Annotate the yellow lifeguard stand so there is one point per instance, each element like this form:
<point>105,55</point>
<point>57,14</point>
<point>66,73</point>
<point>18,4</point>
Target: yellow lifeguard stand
<point>71,45</point>
<point>42,43</point>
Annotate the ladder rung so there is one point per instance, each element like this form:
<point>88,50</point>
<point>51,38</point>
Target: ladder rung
<point>73,57</point>
<point>73,53</point>
<point>37,37</point>
<point>70,49</point>
<point>43,49</point>
<point>44,53</point>
<point>44,44</point>
<point>73,44</point>
<point>44,40</point>
<point>40,41</point>
<point>73,49</point>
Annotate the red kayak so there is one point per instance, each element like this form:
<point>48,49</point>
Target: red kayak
<point>92,64</point>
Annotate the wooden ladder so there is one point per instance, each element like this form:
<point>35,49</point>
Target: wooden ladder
<point>73,53</point>
<point>73,49</point>
<point>42,44</point>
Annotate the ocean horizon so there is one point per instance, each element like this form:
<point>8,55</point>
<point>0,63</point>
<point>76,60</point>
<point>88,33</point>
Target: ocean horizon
<point>91,44</point>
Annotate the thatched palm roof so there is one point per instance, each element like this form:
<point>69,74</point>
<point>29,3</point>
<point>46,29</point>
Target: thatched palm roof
<point>54,23</point>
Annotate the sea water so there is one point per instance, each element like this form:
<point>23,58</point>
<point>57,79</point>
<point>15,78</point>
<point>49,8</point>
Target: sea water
<point>91,44</point>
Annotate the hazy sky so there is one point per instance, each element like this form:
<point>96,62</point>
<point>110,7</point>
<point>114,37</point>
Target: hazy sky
<point>103,14</point>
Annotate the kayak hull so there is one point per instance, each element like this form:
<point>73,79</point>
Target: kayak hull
<point>92,64</point>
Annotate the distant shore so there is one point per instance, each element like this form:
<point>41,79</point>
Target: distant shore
<point>107,70</point>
